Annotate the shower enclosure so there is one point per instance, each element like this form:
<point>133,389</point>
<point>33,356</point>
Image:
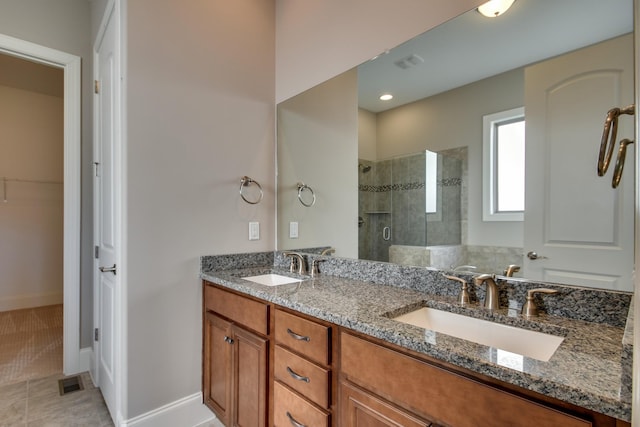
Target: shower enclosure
<point>410,201</point>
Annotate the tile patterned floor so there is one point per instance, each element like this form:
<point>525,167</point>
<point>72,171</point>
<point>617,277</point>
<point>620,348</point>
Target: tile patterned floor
<point>37,403</point>
<point>30,367</point>
<point>30,343</point>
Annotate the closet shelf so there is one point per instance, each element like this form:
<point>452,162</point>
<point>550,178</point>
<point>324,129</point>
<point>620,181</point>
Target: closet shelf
<point>30,181</point>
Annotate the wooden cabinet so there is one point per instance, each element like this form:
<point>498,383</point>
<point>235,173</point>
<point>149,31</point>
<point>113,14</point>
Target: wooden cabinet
<point>302,371</point>
<point>428,392</point>
<point>235,360</point>
<point>361,408</point>
<point>304,379</point>
<point>217,366</point>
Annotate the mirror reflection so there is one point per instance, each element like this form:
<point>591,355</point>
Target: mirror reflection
<point>407,180</point>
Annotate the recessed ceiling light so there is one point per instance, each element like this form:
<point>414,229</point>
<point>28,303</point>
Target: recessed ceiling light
<point>494,8</point>
<point>386,97</point>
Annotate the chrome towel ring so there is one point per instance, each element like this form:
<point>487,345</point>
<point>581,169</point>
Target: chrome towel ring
<point>245,181</point>
<point>304,187</point>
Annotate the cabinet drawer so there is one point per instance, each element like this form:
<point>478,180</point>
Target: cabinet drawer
<point>289,409</point>
<point>303,376</point>
<point>358,408</point>
<point>441,395</point>
<point>252,314</point>
<point>303,336</point>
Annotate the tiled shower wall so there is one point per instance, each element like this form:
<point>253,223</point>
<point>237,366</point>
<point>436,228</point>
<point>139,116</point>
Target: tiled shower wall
<point>392,194</point>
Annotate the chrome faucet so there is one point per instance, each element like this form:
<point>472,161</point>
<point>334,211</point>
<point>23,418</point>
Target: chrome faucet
<point>297,262</point>
<point>491,299</point>
<point>512,268</point>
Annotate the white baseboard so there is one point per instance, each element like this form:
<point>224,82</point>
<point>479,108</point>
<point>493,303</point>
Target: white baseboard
<point>30,300</point>
<point>186,412</point>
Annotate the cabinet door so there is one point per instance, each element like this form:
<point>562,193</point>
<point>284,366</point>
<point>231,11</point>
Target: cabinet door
<point>217,366</point>
<point>250,378</point>
<point>360,408</point>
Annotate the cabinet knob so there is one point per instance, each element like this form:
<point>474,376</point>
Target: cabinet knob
<point>228,340</point>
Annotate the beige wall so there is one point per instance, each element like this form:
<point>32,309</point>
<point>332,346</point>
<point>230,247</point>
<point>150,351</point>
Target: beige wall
<point>201,114</point>
<point>31,148</point>
<point>317,40</point>
<point>367,135</point>
<point>65,25</point>
<point>317,145</point>
<point>454,119</point>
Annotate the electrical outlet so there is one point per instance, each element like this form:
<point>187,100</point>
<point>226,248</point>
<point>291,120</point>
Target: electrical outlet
<point>293,230</point>
<point>254,231</point>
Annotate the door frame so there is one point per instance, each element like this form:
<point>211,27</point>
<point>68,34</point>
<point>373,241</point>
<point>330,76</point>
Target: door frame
<point>71,65</point>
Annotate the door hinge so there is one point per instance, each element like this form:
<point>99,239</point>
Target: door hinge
<point>96,86</point>
<point>96,334</point>
<point>96,252</point>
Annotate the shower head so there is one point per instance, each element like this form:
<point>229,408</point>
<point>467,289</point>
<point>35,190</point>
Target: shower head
<point>364,168</point>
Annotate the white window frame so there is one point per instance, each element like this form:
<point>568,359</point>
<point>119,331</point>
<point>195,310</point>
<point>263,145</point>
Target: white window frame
<point>489,123</point>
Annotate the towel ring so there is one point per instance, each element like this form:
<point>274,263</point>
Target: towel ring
<point>302,187</point>
<point>622,154</point>
<point>245,181</point>
<point>609,134</point>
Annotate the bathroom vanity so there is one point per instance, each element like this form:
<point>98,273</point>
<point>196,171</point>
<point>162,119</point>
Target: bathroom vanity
<point>326,351</point>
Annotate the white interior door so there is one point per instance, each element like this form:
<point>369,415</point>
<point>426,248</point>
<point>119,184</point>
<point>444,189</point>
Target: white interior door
<point>106,279</point>
<point>575,219</point>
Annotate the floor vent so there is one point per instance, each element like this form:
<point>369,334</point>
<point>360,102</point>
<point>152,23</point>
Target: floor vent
<point>70,384</point>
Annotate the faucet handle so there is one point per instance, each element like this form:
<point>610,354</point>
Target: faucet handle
<point>294,261</point>
<point>530,309</point>
<point>512,268</point>
<point>463,297</point>
<point>314,267</point>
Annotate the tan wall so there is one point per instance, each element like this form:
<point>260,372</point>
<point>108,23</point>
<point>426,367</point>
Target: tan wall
<point>201,114</point>
<point>65,25</point>
<point>317,40</point>
<point>317,145</point>
<point>367,135</point>
<point>31,148</point>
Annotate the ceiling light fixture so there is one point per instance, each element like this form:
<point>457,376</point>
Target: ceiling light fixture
<point>386,97</point>
<point>494,8</point>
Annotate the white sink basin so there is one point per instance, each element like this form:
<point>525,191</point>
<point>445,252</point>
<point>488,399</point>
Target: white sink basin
<point>272,279</point>
<point>536,345</point>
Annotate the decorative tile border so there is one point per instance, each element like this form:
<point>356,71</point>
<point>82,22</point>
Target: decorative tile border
<point>449,182</point>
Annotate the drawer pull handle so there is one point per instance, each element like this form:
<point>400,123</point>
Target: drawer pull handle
<point>294,423</point>
<point>298,337</point>
<point>228,340</point>
<point>296,376</point>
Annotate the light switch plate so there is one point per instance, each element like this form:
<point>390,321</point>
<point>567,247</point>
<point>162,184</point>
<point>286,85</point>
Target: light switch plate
<point>293,230</point>
<point>254,231</point>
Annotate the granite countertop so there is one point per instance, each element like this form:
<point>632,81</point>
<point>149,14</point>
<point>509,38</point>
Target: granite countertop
<point>589,369</point>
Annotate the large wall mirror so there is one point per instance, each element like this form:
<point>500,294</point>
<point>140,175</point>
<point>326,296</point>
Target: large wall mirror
<point>420,179</point>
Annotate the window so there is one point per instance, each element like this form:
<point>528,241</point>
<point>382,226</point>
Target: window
<point>503,166</point>
<point>431,182</point>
